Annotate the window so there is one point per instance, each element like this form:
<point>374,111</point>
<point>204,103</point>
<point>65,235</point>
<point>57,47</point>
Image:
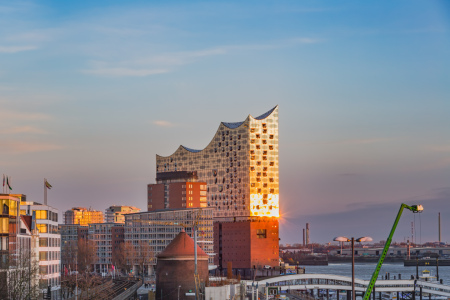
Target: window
<point>270,147</point>
<point>271,163</point>
<point>261,233</point>
<point>252,130</point>
<point>271,136</point>
<point>42,228</point>
<point>41,214</point>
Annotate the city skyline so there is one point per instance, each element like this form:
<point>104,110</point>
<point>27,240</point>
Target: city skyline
<point>91,92</point>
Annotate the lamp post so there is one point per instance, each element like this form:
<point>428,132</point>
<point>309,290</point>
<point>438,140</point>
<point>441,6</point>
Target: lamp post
<point>179,292</point>
<point>352,240</point>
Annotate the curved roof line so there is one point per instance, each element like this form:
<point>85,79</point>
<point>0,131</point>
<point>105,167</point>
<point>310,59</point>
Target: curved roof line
<point>266,114</point>
<point>230,125</point>
<point>191,150</point>
<point>233,125</point>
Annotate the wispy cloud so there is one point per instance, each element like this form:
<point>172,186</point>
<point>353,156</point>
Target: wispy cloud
<point>15,49</point>
<point>166,62</point>
<point>18,147</point>
<point>162,123</point>
<point>354,142</point>
<point>124,72</point>
<point>24,116</point>
<point>306,40</point>
<point>152,65</point>
<point>23,129</point>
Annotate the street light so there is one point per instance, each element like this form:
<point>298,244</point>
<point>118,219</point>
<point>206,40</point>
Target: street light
<point>179,292</point>
<point>346,239</point>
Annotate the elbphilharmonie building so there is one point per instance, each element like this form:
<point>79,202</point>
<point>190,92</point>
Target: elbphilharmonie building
<point>239,166</point>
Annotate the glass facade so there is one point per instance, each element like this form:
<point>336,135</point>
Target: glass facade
<point>240,167</point>
<point>159,228</point>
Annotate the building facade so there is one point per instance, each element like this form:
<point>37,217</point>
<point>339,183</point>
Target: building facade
<point>158,228</point>
<point>239,166</point>
<point>101,235</point>
<point>115,213</point>
<point>174,195</point>
<point>49,242</point>
<point>82,216</point>
<point>19,254</point>
<point>247,243</point>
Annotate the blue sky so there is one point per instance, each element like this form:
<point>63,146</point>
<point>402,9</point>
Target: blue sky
<point>91,91</point>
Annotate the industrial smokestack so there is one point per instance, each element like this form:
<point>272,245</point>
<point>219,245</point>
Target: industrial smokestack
<point>304,237</point>
<point>408,251</point>
<point>307,233</point>
<point>439,226</point>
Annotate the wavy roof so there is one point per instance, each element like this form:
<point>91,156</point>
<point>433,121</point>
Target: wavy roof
<point>233,125</point>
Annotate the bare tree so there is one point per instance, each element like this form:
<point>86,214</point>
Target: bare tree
<point>143,255</point>
<point>19,275</point>
<point>69,254</point>
<point>119,256</point>
<point>80,258</point>
<point>86,255</point>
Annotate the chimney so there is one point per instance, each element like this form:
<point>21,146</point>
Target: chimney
<point>307,233</point>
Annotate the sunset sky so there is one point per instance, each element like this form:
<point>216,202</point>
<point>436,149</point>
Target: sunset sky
<point>91,91</point>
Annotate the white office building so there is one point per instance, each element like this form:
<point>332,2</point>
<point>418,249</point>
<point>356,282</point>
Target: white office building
<point>49,243</point>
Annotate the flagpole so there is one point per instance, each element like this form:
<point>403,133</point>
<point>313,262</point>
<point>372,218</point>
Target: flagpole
<point>45,192</point>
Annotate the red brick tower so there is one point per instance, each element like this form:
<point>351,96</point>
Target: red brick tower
<point>175,268</point>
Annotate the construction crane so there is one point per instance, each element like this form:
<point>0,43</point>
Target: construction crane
<point>194,226</point>
<point>414,209</point>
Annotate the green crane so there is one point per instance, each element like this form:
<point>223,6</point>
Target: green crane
<point>414,209</point>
